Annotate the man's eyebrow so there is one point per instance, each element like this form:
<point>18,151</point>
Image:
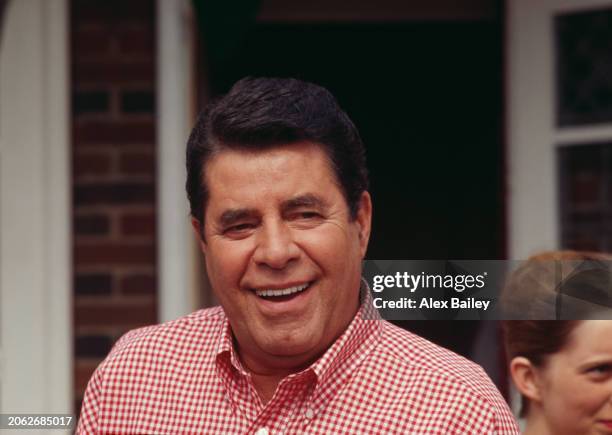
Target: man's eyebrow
<point>306,200</point>
<point>231,216</point>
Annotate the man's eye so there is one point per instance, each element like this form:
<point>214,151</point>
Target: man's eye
<point>308,215</point>
<point>238,228</point>
<point>601,370</point>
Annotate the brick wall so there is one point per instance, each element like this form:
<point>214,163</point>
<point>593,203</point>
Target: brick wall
<point>113,152</point>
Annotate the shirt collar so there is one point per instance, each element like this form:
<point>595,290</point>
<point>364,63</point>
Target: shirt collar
<point>226,348</point>
<point>365,327</point>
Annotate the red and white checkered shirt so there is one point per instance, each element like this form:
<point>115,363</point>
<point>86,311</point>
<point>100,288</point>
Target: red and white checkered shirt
<point>184,377</point>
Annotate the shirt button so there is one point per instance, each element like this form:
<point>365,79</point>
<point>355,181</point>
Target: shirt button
<point>262,431</point>
<point>309,413</point>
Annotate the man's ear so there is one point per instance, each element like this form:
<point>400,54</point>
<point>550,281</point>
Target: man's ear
<point>526,377</point>
<point>364,221</point>
<point>198,230</point>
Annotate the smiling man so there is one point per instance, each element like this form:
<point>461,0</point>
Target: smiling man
<point>279,199</point>
<point>283,254</point>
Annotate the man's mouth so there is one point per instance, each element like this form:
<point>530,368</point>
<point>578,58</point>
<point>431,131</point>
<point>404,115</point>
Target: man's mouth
<point>282,294</point>
<point>607,423</point>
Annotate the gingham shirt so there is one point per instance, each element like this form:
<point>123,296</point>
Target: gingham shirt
<point>184,377</point>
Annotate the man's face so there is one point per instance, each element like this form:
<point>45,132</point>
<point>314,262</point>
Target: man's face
<point>282,252</point>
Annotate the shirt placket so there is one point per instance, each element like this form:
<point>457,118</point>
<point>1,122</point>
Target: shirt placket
<point>283,413</point>
<point>238,395</point>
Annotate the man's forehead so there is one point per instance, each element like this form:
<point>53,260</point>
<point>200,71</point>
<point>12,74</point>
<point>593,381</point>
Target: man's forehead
<point>229,177</point>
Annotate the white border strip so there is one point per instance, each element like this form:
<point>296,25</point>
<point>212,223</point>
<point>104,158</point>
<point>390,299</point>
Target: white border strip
<point>35,260</point>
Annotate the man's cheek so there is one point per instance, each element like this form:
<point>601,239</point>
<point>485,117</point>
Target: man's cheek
<point>325,244</point>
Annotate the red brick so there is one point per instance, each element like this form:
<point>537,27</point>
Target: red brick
<point>112,315</point>
<point>91,164</point>
<point>91,225</point>
<point>137,40</point>
<point>90,41</point>
<point>141,102</point>
<point>136,10</point>
<point>114,71</point>
<point>92,284</point>
<point>93,11</point>
<point>91,101</point>
<point>137,163</point>
<point>139,284</point>
<point>114,11</point>
<point>113,132</point>
<point>116,193</point>
<point>113,51</point>
<point>106,253</point>
<point>138,224</point>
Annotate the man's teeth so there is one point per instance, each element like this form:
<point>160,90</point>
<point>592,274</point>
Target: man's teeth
<point>282,291</point>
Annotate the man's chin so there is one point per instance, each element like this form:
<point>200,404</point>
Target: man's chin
<point>292,346</point>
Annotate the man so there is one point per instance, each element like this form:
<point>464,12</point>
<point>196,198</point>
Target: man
<point>277,185</point>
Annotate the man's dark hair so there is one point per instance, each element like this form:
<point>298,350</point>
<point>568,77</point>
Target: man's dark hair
<point>260,113</point>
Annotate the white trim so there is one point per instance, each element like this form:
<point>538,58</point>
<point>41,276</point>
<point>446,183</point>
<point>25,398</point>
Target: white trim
<point>583,135</point>
<point>175,253</point>
<point>560,6</point>
<point>35,259</point>
<point>532,207</point>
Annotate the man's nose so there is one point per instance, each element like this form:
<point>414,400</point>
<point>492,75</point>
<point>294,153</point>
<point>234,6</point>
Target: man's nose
<point>275,246</point>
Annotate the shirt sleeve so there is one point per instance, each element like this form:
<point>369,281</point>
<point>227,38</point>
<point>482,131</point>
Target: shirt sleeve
<point>491,410</point>
<point>482,417</point>
<point>470,413</point>
<point>88,420</point>
<point>92,401</point>
<point>505,423</point>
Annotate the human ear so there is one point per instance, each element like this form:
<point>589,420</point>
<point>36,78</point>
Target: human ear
<point>526,377</point>
<point>364,221</point>
<point>198,230</point>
